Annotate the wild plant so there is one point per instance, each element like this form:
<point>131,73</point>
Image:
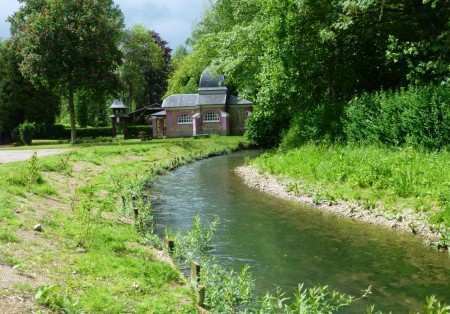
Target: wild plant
<point>134,202</point>
<point>227,291</point>
<point>433,306</point>
<point>89,220</point>
<point>195,244</point>
<point>49,296</point>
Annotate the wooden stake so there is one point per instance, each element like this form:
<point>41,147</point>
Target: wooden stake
<point>195,273</point>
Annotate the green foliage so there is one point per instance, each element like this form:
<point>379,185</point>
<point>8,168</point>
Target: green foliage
<point>50,297</point>
<point>314,300</point>
<point>141,55</point>
<point>195,244</point>
<point>29,175</point>
<point>19,100</point>
<point>433,306</point>
<point>290,56</point>
<point>134,130</point>
<point>419,116</point>
<point>26,132</point>
<point>88,32</point>
<point>317,124</point>
<point>386,178</point>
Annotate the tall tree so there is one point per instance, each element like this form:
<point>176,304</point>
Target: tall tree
<point>157,79</point>
<point>68,45</point>
<point>19,100</point>
<point>142,59</point>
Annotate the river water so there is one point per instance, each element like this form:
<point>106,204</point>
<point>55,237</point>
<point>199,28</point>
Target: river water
<point>286,244</point>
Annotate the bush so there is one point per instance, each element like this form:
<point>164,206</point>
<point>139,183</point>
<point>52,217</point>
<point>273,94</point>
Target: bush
<point>52,132</point>
<point>26,132</point>
<point>419,117</point>
<point>58,131</point>
<point>94,132</point>
<point>317,124</point>
<point>133,130</point>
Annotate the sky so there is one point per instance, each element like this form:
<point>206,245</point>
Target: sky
<point>172,19</point>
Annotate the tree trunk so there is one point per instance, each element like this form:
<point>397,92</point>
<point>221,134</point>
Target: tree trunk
<point>73,130</point>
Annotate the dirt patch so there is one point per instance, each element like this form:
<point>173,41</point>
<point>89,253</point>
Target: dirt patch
<point>410,222</point>
<point>15,296</point>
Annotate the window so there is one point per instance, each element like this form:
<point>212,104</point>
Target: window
<point>184,119</point>
<point>211,117</point>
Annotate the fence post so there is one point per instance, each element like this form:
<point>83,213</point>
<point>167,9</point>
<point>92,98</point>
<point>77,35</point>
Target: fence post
<point>169,244</point>
<point>195,273</point>
<point>201,296</point>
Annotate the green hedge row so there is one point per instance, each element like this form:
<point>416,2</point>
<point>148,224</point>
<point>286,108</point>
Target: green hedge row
<point>57,132</point>
<point>419,117</point>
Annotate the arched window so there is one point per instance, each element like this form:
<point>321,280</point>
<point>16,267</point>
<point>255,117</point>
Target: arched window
<point>184,119</point>
<point>211,117</point>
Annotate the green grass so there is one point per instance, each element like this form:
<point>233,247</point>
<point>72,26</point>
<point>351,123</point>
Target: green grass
<point>392,179</point>
<point>103,261</point>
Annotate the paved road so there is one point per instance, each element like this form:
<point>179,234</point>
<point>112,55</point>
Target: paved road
<point>18,155</point>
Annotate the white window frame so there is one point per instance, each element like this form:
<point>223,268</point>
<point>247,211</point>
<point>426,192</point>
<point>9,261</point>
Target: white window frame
<point>184,119</point>
<point>207,117</point>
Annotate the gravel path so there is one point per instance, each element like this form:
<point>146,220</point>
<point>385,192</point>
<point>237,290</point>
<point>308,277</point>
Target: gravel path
<point>19,155</point>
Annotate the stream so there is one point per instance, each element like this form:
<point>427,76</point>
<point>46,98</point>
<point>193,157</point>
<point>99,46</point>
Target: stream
<point>285,243</point>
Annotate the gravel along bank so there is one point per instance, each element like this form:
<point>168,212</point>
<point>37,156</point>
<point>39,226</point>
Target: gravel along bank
<point>411,222</point>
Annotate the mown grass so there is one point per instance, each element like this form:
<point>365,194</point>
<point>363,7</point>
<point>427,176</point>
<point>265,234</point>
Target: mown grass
<point>389,179</point>
<point>92,245</point>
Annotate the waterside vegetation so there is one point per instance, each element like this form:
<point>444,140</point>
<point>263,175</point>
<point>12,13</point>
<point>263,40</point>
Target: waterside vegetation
<point>76,227</point>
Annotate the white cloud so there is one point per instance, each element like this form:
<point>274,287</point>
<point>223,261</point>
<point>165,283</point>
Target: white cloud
<point>172,19</point>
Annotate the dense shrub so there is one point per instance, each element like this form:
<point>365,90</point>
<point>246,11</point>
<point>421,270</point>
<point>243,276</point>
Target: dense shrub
<point>419,116</point>
<point>58,131</point>
<point>318,124</point>
<point>94,132</point>
<point>52,132</point>
<point>133,130</point>
<point>26,132</point>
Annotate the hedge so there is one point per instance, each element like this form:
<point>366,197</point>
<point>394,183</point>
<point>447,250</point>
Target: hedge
<point>58,131</point>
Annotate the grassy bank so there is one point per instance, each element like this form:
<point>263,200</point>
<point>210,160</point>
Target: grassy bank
<point>394,181</point>
<point>92,254</point>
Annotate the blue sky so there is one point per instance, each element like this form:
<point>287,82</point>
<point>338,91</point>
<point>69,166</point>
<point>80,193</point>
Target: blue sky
<point>172,19</point>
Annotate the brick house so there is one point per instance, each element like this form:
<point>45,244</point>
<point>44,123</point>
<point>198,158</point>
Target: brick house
<point>212,111</point>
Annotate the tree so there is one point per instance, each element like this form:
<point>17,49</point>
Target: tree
<point>20,101</point>
<point>68,45</point>
<point>157,79</point>
<point>142,59</point>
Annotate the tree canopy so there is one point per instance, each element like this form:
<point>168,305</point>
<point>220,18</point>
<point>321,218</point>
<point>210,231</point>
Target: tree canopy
<point>144,60</point>
<point>19,100</point>
<point>68,45</point>
<point>290,56</point>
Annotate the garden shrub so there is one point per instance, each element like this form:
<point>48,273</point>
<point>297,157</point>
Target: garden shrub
<point>26,132</point>
<point>133,130</point>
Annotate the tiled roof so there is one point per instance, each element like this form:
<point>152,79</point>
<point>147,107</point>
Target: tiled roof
<point>180,100</point>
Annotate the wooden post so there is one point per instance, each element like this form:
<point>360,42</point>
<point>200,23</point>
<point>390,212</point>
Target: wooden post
<point>135,208</point>
<point>169,244</point>
<point>195,273</point>
<point>201,296</point>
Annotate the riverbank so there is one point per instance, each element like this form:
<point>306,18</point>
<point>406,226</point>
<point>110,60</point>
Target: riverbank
<point>411,222</point>
<point>73,229</point>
